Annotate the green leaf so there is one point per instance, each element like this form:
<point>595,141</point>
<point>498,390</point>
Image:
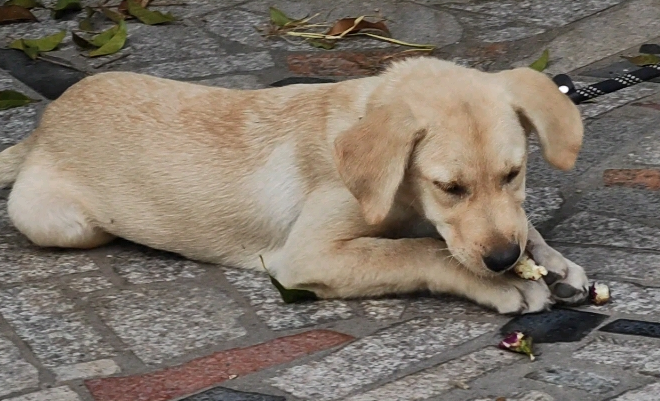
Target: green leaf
<point>278,18</point>
<point>113,45</point>
<point>10,99</point>
<point>23,3</point>
<point>542,62</point>
<point>62,6</point>
<point>32,47</point>
<point>104,37</point>
<point>322,44</point>
<point>147,16</point>
<point>643,59</point>
<point>289,295</point>
<point>112,15</point>
<point>86,24</point>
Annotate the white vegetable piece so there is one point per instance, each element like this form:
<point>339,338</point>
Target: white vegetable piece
<point>528,269</point>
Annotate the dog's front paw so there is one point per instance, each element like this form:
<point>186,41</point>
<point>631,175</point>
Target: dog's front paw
<point>573,288</point>
<point>518,296</point>
<point>567,281</point>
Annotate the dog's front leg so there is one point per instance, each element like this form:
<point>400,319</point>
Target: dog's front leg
<point>376,266</point>
<point>566,279</point>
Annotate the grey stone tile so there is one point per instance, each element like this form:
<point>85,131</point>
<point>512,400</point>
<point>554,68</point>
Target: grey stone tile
<point>625,202</point>
<point>641,356</point>
<point>543,13</point>
<point>588,381</point>
<point>603,137</point>
<point>442,378</point>
<point>630,298</point>
<point>51,394</point>
<point>492,29</point>
<point>234,82</point>
<point>541,203</point>
<point>614,263</point>
<point>595,38</point>
<point>21,261</point>
<point>648,151</point>
<point>376,357</point>
<point>203,67</point>
<point>49,323</point>
<point>533,395</point>
<point>159,324</point>
<point>445,305</point>
<point>86,370</point>
<point>16,123</point>
<point>645,393</point>
<point>160,43</point>
<point>89,284</point>
<point>383,309</point>
<point>227,394</point>
<point>587,228</point>
<point>15,373</point>
<point>142,265</point>
<point>193,9</point>
<point>277,315</point>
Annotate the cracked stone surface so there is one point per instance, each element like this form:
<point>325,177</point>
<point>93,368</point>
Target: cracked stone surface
<point>125,321</point>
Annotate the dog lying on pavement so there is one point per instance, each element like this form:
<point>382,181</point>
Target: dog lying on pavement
<point>410,180</point>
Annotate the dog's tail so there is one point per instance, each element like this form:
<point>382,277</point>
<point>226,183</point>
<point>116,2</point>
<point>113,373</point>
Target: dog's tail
<point>11,160</point>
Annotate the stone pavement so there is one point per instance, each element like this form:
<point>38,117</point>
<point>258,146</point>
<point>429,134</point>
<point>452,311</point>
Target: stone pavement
<point>125,323</point>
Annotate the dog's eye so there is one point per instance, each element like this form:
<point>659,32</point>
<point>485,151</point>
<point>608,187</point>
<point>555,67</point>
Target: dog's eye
<point>451,188</point>
<point>511,176</point>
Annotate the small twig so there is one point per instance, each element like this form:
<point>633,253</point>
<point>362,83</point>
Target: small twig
<point>53,61</point>
<point>112,60</point>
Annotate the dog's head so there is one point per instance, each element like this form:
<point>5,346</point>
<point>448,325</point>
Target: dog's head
<point>452,142</point>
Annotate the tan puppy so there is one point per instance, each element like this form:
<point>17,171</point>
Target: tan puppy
<point>342,188</point>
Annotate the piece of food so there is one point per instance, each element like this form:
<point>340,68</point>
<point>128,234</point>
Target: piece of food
<point>599,293</point>
<point>528,269</point>
<point>518,342</point>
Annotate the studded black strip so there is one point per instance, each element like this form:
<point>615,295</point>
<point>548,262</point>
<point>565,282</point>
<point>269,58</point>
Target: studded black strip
<point>608,86</point>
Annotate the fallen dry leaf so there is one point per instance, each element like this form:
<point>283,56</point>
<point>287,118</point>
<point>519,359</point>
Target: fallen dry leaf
<point>347,26</point>
<point>148,17</point>
<point>32,47</point>
<point>23,3</point>
<point>542,62</point>
<point>113,15</point>
<point>643,59</point>
<point>11,13</point>
<point>114,44</point>
<point>64,6</point>
<point>10,99</point>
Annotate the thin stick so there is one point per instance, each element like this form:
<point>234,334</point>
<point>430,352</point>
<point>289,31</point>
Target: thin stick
<point>112,60</point>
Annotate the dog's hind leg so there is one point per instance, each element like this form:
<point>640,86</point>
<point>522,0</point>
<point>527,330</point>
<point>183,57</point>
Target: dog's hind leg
<point>47,210</point>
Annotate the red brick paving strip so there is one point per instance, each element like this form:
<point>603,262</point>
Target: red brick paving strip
<point>208,371</point>
<point>347,64</point>
<point>633,178</point>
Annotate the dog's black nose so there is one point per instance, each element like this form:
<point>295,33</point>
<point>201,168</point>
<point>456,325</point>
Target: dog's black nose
<point>502,258</point>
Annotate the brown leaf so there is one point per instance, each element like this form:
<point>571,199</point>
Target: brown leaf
<point>11,13</point>
<point>346,24</point>
<point>123,7</point>
<point>144,3</point>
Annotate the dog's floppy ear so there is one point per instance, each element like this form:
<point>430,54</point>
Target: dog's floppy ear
<point>372,157</point>
<point>543,108</point>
